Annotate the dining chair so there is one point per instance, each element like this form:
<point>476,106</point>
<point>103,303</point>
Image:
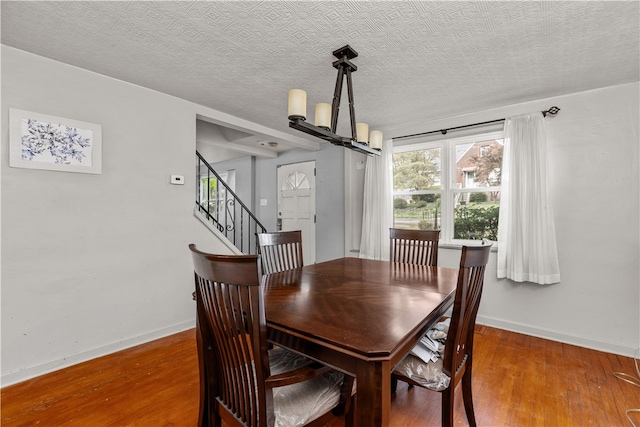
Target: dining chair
<point>241,381</point>
<point>414,246</point>
<point>454,365</point>
<point>280,251</point>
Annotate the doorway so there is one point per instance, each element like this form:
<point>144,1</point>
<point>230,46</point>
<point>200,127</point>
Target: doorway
<point>297,204</point>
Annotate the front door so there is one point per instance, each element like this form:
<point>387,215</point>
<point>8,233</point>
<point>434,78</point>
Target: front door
<point>297,204</point>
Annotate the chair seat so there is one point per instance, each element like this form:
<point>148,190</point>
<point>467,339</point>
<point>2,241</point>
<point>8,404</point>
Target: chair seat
<point>427,374</point>
<point>301,403</point>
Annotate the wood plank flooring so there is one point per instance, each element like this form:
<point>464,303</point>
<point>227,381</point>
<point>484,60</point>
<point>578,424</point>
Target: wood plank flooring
<point>518,381</point>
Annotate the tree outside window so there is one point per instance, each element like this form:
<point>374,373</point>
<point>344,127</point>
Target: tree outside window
<point>417,182</point>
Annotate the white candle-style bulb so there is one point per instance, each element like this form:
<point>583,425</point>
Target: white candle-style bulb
<point>297,104</point>
<point>323,115</point>
<point>362,133</point>
<point>375,139</point>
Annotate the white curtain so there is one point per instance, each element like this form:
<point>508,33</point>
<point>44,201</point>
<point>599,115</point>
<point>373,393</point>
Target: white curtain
<point>377,212</point>
<point>526,233</point>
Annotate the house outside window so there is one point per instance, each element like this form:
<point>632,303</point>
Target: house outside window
<point>452,185</point>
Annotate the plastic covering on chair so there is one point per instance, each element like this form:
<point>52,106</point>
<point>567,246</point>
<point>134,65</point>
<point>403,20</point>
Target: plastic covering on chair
<point>300,403</point>
<point>424,363</point>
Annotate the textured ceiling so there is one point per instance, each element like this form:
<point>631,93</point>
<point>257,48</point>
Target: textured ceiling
<point>419,60</point>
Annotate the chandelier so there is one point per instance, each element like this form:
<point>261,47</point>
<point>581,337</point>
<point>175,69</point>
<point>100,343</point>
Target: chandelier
<point>326,115</point>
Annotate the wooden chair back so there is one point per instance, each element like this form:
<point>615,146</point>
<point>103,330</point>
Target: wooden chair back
<point>414,246</point>
<point>459,344</point>
<point>232,339</point>
<point>458,352</point>
<point>280,250</point>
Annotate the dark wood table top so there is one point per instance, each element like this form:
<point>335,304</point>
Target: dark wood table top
<point>363,306</point>
<point>358,316</point>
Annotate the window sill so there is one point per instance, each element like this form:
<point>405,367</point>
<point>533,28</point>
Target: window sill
<point>458,246</point>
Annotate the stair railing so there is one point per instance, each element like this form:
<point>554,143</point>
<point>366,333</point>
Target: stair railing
<point>222,207</point>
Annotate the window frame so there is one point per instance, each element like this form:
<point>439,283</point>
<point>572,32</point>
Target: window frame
<point>448,188</point>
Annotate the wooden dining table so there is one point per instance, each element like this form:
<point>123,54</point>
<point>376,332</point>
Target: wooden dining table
<point>358,316</point>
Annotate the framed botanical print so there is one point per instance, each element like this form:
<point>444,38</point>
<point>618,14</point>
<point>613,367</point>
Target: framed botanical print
<point>40,141</point>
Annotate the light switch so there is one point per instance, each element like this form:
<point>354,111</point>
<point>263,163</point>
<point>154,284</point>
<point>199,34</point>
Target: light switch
<point>263,202</point>
<point>177,179</point>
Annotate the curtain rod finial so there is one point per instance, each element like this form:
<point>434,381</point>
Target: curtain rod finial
<point>551,111</point>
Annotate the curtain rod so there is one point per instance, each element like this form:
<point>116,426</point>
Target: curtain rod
<point>551,111</point>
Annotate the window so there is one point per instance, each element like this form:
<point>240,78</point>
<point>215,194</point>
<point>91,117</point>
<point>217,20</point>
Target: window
<point>214,196</point>
<point>450,185</point>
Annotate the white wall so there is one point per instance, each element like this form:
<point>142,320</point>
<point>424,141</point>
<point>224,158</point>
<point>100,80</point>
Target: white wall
<point>95,263</point>
<point>593,159</point>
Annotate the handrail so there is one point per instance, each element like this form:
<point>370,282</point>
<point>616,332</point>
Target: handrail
<point>229,212</point>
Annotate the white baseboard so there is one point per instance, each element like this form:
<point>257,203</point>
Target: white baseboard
<point>54,365</point>
<point>557,336</point>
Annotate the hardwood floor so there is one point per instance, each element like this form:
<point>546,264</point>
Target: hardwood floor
<point>518,381</point>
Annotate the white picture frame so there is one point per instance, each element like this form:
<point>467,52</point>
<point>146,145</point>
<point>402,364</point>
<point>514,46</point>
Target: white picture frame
<point>40,141</point>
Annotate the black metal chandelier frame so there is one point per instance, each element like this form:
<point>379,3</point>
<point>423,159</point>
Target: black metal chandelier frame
<point>345,68</point>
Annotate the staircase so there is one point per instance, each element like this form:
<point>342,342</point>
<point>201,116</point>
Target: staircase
<point>224,210</point>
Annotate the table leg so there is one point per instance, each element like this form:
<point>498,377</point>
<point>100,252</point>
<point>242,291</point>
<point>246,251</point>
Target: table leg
<point>373,395</point>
